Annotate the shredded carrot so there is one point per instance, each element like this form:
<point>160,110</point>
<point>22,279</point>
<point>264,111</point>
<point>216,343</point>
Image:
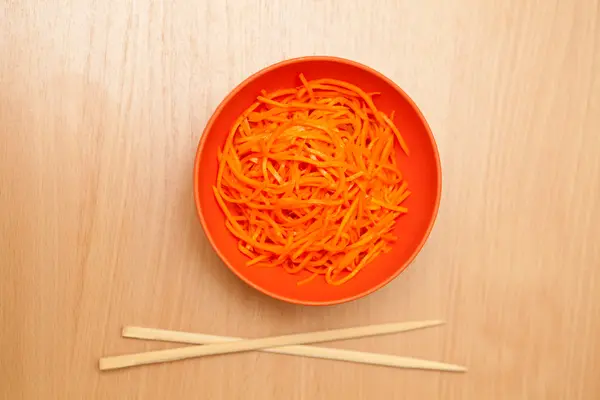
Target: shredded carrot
<point>309,182</point>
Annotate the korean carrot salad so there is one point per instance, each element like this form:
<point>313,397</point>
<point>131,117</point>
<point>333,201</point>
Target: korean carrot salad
<point>308,180</point>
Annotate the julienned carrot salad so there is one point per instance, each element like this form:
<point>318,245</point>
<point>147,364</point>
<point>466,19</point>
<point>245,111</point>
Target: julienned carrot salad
<point>308,180</point>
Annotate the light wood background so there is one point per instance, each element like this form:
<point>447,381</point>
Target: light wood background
<point>102,103</point>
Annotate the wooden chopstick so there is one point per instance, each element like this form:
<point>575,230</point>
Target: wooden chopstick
<point>151,357</point>
<point>135,332</point>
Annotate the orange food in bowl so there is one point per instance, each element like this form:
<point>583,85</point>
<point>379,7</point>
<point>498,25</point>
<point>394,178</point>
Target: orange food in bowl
<point>301,180</point>
<point>308,180</point>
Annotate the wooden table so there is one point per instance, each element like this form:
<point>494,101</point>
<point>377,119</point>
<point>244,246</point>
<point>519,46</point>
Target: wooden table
<point>102,104</point>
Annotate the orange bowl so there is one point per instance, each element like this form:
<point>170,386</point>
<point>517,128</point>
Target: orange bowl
<point>421,169</point>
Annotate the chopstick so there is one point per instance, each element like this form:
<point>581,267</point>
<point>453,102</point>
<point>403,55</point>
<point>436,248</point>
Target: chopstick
<point>152,357</point>
<point>135,332</point>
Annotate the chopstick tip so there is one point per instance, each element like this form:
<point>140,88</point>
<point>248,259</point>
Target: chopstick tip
<point>129,331</point>
<point>433,322</point>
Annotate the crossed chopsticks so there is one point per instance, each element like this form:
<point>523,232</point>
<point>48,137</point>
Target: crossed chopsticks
<point>288,344</point>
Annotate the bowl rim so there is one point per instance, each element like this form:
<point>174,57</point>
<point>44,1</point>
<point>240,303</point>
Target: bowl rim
<point>234,93</point>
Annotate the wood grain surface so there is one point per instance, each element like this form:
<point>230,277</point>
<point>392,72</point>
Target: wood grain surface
<point>102,103</point>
